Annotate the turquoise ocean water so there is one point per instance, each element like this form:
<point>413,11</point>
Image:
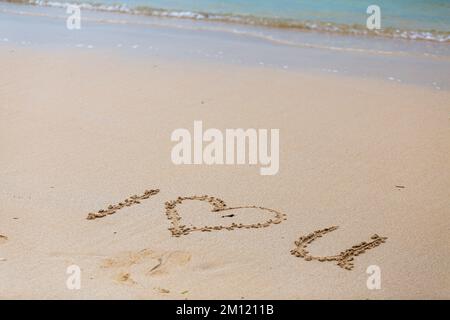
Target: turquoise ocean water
<point>410,19</point>
<point>321,36</point>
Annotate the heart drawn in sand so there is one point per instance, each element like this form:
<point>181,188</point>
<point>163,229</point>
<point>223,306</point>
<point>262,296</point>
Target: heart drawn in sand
<point>218,205</point>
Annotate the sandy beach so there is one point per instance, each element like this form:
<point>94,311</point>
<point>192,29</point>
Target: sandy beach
<point>81,130</point>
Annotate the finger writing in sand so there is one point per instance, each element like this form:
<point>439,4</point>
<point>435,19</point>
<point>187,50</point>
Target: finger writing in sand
<point>345,258</point>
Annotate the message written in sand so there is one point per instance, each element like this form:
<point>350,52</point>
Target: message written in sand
<point>218,205</point>
<point>345,258</point>
<point>128,202</point>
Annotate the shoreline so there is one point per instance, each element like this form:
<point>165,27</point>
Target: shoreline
<point>252,20</point>
<point>391,60</point>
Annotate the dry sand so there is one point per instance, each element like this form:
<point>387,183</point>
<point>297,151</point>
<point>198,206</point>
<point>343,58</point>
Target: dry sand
<point>81,132</point>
